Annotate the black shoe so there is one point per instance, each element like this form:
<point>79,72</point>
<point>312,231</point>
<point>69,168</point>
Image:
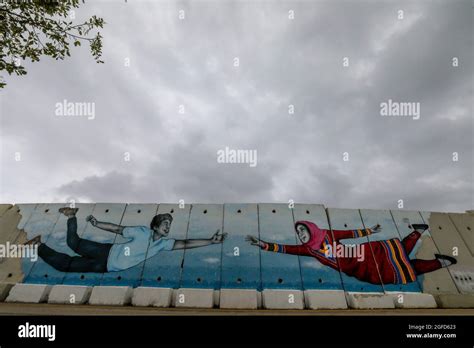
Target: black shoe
<point>69,212</point>
<point>444,259</point>
<point>420,227</point>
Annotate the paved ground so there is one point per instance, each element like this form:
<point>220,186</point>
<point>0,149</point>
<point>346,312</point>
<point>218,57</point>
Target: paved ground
<point>51,309</point>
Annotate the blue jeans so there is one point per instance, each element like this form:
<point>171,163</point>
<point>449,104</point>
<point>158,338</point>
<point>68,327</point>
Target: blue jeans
<point>93,257</point>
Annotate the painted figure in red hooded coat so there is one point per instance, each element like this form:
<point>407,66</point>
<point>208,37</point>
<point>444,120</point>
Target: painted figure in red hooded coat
<point>385,261</point>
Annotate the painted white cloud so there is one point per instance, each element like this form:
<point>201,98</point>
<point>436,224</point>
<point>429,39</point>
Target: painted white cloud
<point>313,264</point>
<point>212,260</point>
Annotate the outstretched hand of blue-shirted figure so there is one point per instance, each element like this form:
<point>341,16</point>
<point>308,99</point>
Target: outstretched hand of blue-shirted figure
<point>216,238</point>
<point>92,220</point>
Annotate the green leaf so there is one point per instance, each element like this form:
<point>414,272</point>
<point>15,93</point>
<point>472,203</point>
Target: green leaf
<point>33,29</point>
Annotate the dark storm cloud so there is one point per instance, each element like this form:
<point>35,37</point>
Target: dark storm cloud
<point>190,62</point>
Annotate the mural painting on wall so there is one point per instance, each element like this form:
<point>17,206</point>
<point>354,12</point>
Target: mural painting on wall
<point>143,243</point>
<point>389,256</point>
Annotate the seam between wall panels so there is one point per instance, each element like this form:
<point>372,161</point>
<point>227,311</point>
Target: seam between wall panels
<point>408,254</point>
<point>299,258</point>
<point>438,249</point>
<point>372,252</point>
<point>25,276</point>
<point>460,234</point>
<point>26,222</point>
<point>115,237</point>
<point>260,285</point>
<point>337,259</point>
<point>184,251</point>
<point>217,287</point>
<point>148,248</point>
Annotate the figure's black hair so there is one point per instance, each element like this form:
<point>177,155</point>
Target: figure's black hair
<point>158,219</point>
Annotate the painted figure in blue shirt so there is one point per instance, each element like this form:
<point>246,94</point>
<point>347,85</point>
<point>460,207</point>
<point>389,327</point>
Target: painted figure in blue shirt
<point>142,243</point>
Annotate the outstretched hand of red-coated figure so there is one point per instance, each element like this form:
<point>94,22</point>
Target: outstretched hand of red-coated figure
<point>376,228</point>
<point>254,241</point>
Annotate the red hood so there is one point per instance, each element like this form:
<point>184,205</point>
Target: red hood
<point>317,235</point>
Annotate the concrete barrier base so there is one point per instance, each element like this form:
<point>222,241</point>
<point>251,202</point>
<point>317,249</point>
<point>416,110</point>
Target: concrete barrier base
<point>29,293</point>
<point>412,300</point>
<point>283,299</point>
<point>325,299</point>
<point>455,300</point>
<point>111,295</point>
<point>5,290</point>
<point>369,300</point>
<point>152,297</point>
<point>69,294</point>
<point>194,298</point>
<point>217,298</point>
<point>228,298</point>
<point>259,300</point>
<point>238,299</point>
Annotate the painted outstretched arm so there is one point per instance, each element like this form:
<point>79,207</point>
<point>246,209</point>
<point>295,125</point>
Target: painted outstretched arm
<point>197,243</point>
<point>106,226</point>
<point>278,248</point>
<point>345,234</point>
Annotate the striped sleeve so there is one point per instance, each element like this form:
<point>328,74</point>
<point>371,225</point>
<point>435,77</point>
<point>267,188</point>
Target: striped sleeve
<point>287,249</point>
<point>277,248</point>
<point>344,234</point>
<point>362,232</point>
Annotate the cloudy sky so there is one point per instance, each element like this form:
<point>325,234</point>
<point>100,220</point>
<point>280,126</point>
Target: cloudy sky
<point>191,63</point>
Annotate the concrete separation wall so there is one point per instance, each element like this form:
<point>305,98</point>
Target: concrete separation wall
<point>235,256</point>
